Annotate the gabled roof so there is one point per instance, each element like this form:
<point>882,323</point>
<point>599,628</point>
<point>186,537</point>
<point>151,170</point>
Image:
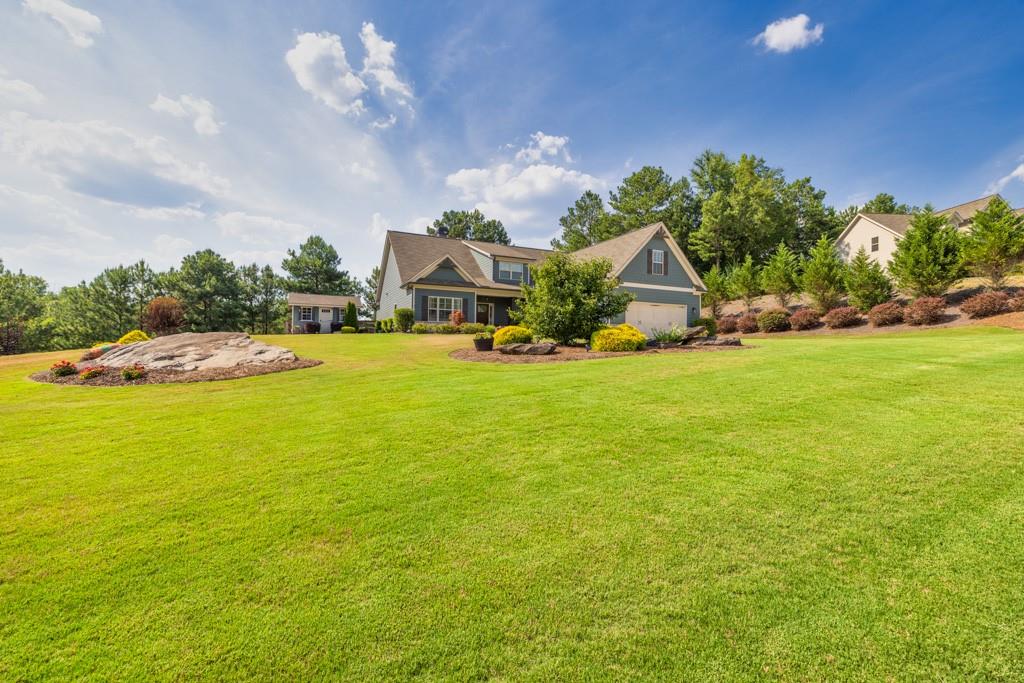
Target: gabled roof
<point>898,223</point>
<point>967,210</point>
<point>414,253</point>
<point>507,251</point>
<point>327,300</point>
<point>623,249</point>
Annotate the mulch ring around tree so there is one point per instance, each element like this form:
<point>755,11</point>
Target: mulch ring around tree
<point>563,354</point>
<point>112,376</point>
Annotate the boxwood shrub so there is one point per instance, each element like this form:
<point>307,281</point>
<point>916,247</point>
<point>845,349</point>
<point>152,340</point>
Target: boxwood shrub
<point>513,334</point>
<point>804,319</point>
<point>622,337</point>
<point>422,328</point>
<point>926,310</point>
<point>890,313</point>
<point>472,328</point>
<point>844,316</point>
<point>346,329</point>
<point>404,318</point>
<point>773,320</point>
<point>985,304</point>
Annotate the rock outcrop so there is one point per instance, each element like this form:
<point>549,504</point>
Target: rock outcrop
<point>193,351</point>
<point>526,349</point>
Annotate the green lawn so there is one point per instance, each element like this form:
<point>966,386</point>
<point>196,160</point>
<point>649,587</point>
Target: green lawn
<point>815,508</point>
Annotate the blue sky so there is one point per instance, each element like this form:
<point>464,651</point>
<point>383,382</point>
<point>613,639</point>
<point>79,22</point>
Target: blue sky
<point>149,130</point>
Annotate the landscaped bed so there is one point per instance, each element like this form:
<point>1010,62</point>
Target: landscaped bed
<point>111,377</point>
<point>570,353</point>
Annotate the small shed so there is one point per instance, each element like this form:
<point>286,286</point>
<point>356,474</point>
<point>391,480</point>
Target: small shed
<point>317,312</point>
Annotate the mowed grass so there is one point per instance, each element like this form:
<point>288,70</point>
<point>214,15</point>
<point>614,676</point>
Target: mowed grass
<point>830,508</point>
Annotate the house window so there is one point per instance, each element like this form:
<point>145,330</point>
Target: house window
<point>439,308</point>
<point>657,262</point>
<point>305,314</point>
<point>510,271</point>
<point>874,244</point>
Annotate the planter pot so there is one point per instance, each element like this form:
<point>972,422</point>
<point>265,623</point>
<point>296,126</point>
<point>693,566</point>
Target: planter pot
<point>484,344</point>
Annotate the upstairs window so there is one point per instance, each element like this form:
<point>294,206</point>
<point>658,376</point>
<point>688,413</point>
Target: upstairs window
<point>874,244</point>
<point>305,314</point>
<point>510,271</point>
<point>657,262</point>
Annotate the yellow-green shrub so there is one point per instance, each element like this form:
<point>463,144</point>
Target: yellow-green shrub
<point>133,337</point>
<point>513,334</point>
<point>622,337</point>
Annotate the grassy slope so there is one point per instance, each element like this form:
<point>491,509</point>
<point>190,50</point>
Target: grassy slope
<point>842,507</point>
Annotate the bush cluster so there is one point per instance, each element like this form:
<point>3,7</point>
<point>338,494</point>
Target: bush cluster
<point>890,313</point>
<point>133,337</point>
<point>726,324</point>
<point>985,304</point>
<point>404,318</point>
<point>844,316</point>
<point>804,319</point>
<point>131,373</point>
<point>710,325</point>
<point>773,320</point>
<point>1015,303</point>
<point>345,329</point>
<point>513,334</point>
<point>94,371</point>
<point>622,337</point>
<point>926,310</point>
<point>63,369</point>
<point>472,328</point>
<point>747,323</point>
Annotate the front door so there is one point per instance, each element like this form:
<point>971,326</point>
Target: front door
<point>485,313</point>
<point>326,315</point>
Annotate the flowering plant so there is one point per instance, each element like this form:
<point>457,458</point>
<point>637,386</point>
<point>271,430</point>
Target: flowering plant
<point>133,372</point>
<point>94,371</point>
<point>63,369</point>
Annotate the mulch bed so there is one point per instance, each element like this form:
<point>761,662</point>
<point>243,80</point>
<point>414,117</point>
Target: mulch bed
<point>112,377</point>
<point>570,353</point>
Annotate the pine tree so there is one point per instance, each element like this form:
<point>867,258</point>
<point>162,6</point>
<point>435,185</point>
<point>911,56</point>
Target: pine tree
<point>781,275</point>
<point>928,259</point>
<point>717,283</point>
<point>866,282</point>
<point>745,282</point>
<point>995,243</point>
<point>822,277</point>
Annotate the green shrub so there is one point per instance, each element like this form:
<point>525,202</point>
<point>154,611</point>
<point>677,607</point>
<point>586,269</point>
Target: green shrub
<point>866,283</point>
<point>377,326</point>
<point>131,373</point>
<point>804,319</point>
<point>671,334</point>
<point>345,329</point>
<point>710,325</point>
<point>63,369</point>
<point>446,328</point>
<point>890,313</point>
<point>773,320</point>
<point>926,310</point>
<point>490,328</point>
<point>351,318</point>
<point>133,337</point>
<point>513,334</point>
<point>471,328</point>
<point>404,318</point>
<point>985,304</point>
<point>844,316</point>
<point>622,337</point>
<point>422,328</point>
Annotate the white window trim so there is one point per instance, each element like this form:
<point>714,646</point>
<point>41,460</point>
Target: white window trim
<point>657,266</point>
<point>454,303</point>
<point>302,314</point>
<point>874,243</point>
<point>667,288</point>
<point>507,266</point>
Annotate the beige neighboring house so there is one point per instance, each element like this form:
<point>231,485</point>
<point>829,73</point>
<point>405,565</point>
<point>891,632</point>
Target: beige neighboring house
<point>318,309</point>
<point>878,233</point>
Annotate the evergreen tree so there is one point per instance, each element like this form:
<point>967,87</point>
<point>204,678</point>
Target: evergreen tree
<point>745,282</point>
<point>780,276</point>
<point>822,277</point>
<point>585,223</point>
<point>717,295</point>
<point>866,282</point>
<point>368,293</point>
<point>995,244</point>
<point>928,259</point>
<point>885,203</point>
<point>650,195</point>
<point>470,225</point>
<point>315,269</point>
<point>351,318</point>
<point>207,286</point>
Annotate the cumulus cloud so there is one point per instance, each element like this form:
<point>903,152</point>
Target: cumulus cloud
<point>253,229</point>
<point>542,145</point>
<point>379,64</point>
<point>80,25</point>
<point>793,33</point>
<point>98,159</point>
<point>319,64</point>
<point>379,227</point>
<point>199,110</point>
<point>44,212</point>
<point>1000,185</point>
<point>18,91</point>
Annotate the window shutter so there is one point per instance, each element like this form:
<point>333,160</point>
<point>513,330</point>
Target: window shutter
<point>664,263</point>
<point>465,309</point>
<point>650,261</point>
<point>426,306</point>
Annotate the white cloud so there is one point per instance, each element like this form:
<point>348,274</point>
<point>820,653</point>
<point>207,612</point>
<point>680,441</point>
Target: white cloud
<point>385,123</point>
<point>253,229</point>
<point>1000,185</point>
<point>200,110</point>
<point>79,24</point>
<point>166,213</point>
<point>44,211</point>
<point>15,90</point>
<point>378,227</point>
<point>169,245</point>
<point>542,145</point>
<point>420,224</point>
<point>365,171</point>
<point>321,69</point>
<point>98,159</point>
<point>379,64</point>
<point>793,33</point>
<point>272,257</point>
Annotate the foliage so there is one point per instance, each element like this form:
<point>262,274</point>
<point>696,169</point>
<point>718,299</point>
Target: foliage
<point>472,328</point>
<point>164,315</point>
<point>351,318</point>
<point>747,323</point>
<point>804,319</point>
<point>889,313</point>
<point>368,293</point>
<point>490,328</point>
<point>513,334</point>
<point>710,325</point>
<point>773,320</point>
<point>585,223</point>
<point>404,318</point>
<point>422,328</point>
<point>90,373</point>
<point>131,373</point>
<point>483,335</point>
<point>445,328</point>
<point>985,304</point>
<point>727,324</point>
<point>24,323</point>
<point>569,299</point>
<point>456,318</point>
<point>262,299</point>
<point>745,282</point>
<point>822,276</point>
<point>885,203</point>
<point>314,269</point>
<point>844,316</point>
<point>928,259</point>
<point>207,286</point>
<point>717,295</point>
<point>781,274</point>
<point>133,337</point>
<point>669,334</point>
<point>866,282</point>
<point>650,195</point>
<point>925,310</point>
<point>348,329</point>
<point>995,244</point>
<point>622,337</point>
<point>470,225</point>
<point>1015,303</point>
<point>63,368</point>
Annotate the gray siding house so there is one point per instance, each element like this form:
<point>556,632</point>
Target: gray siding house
<point>435,275</point>
<point>321,309</point>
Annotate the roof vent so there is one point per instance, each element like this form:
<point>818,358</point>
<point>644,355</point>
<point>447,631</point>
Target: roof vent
<point>442,231</point>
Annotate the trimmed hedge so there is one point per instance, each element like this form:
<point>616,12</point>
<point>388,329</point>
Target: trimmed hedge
<point>844,316</point>
<point>985,304</point>
<point>472,328</point>
<point>804,319</point>
<point>890,313</point>
<point>926,310</point>
<point>747,323</point>
<point>513,334</point>
<point>773,320</point>
<point>421,328</point>
<point>622,337</point>
<point>404,318</point>
<point>345,329</point>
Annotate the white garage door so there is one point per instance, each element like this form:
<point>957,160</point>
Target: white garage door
<point>650,317</point>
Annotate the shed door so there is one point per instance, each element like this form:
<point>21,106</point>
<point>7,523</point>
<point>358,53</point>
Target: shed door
<point>650,317</point>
